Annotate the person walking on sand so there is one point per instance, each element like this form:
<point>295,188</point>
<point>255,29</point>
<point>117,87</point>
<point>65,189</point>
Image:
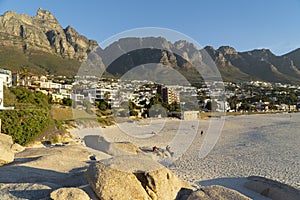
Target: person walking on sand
<point>201,132</point>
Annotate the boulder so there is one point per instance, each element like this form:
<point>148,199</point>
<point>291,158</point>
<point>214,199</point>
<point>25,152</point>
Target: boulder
<point>16,148</point>
<point>69,194</point>
<point>161,183</point>
<point>216,192</point>
<point>272,189</point>
<point>111,148</point>
<point>6,155</point>
<point>109,183</point>
<point>133,177</point>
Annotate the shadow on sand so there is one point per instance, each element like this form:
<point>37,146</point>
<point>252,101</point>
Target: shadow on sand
<point>235,184</point>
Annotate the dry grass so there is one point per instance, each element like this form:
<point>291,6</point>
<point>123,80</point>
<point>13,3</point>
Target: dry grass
<point>219,114</point>
<point>67,114</point>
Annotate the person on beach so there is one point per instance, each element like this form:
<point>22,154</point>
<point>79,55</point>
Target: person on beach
<point>201,132</point>
<point>168,148</point>
<point>154,149</point>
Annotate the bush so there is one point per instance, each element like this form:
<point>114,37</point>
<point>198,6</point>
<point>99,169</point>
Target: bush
<point>30,117</point>
<point>24,125</point>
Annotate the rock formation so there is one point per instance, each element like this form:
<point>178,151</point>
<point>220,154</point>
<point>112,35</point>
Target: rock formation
<point>112,148</point>
<point>6,155</point>
<point>69,194</point>
<point>128,177</point>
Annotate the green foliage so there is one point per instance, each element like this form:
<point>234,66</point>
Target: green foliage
<point>173,107</point>
<point>37,62</point>
<point>133,113</point>
<point>102,105</point>
<point>30,117</point>
<point>108,121</point>
<point>59,124</point>
<point>211,105</point>
<point>67,102</point>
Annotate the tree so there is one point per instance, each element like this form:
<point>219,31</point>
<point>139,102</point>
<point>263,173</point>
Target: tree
<point>173,107</point>
<point>102,105</point>
<point>67,102</point>
<point>232,102</point>
<point>211,105</point>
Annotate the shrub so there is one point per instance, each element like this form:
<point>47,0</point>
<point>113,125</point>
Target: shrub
<point>30,117</point>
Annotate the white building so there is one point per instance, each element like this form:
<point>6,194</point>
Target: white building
<point>6,77</point>
<point>50,85</point>
<point>97,94</point>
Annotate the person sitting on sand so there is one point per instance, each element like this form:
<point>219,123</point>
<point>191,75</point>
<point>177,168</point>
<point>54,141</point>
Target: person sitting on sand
<point>154,149</point>
<point>168,148</point>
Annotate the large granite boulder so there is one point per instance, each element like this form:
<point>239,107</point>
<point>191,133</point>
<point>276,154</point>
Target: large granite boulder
<point>216,192</point>
<point>133,177</point>
<point>69,194</point>
<point>6,155</point>
<point>99,143</point>
<point>272,189</point>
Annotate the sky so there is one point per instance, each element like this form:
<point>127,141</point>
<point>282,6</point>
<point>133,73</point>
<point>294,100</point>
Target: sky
<point>242,24</point>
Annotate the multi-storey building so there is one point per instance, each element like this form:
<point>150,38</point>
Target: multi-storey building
<point>168,95</point>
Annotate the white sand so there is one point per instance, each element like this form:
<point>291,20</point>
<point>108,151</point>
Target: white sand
<point>250,145</point>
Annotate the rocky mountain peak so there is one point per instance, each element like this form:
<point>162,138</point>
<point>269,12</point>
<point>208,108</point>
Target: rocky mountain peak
<point>183,44</point>
<point>44,15</point>
<point>263,53</point>
<point>227,50</point>
<point>210,50</point>
<point>43,33</point>
<point>9,14</point>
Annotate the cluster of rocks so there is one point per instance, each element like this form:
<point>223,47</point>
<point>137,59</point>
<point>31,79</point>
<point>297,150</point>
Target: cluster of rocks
<point>66,173</point>
<point>132,178</point>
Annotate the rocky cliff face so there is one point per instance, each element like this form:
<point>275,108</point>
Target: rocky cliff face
<point>260,64</point>
<point>43,33</point>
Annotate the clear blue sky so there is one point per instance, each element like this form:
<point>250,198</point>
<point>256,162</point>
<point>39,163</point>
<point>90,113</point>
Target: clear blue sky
<point>242,24</point>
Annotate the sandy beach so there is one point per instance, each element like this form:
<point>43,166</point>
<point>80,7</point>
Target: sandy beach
<point>249,145</point>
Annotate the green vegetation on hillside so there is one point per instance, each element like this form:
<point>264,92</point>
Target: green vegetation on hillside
<point>37,62</point>
<point>30,117</point>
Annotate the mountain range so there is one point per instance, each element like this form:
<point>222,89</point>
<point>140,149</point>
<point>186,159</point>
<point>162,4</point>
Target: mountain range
<point>42,45</point>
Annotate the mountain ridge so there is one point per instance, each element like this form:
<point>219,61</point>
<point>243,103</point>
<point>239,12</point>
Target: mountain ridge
<point>44,46</point>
